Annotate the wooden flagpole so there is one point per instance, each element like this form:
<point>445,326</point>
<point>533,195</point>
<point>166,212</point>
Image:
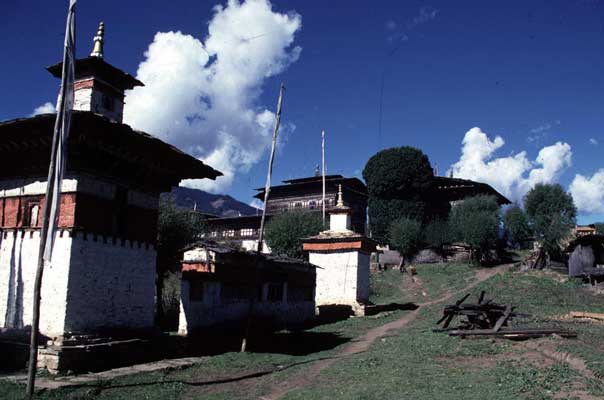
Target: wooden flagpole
<point>53,187</point>
<point>323,173</point>
<point>267,189</point>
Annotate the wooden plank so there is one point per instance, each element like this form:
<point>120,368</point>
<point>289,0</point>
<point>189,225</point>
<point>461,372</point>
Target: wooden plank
<point>503,318</point>
<point>590,315</point>
<point>514,333</point>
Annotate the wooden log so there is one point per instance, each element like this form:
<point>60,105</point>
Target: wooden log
<point>503,318</point>
<point>590,315</point>
<point>518,333</point>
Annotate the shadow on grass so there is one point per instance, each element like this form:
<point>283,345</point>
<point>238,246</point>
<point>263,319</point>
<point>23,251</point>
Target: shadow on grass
<point>299,343</point>
<point>104,385</point>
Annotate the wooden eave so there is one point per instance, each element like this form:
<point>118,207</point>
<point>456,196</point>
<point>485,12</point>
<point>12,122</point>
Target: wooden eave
<point>100,147</point>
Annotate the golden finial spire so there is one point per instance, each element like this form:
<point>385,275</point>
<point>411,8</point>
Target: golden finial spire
<point>97,50</point>
<point>340,202</point>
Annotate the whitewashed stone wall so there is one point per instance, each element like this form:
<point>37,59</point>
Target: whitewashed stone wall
<point>111,285</point>
<point>18,264</point>
<point>212,311</point>
<point>342,279</point>
<point>89,285</point>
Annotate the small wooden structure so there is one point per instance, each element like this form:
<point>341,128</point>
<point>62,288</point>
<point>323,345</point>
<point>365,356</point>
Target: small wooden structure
<point>487,318</point>
<point>217,281</point>
<point>586,257</point>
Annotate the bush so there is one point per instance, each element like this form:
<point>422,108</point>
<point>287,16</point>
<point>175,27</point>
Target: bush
<point>475,222</point>
<point>405,235</point>
<point>552,215</point>
<point>284,232</point>
<point>437,234</point>
<point>517,225</point>
<point>176,228</point>
<point>398,183</point>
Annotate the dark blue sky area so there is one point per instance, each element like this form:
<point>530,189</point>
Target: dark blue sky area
<point>512,68</point>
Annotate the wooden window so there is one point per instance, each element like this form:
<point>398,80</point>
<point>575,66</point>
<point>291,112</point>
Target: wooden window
<point>247,232</point>
<point>274,292</point>
<point>33,213</point>
<point>196,290</point>
<point>230,293</point>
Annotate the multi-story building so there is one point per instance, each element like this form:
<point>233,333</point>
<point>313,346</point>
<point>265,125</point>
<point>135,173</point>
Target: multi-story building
<point>102,274</point>
<point>294,195</point>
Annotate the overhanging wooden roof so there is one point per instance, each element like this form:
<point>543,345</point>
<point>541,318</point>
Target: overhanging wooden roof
<point>99,146</point>
<point>314,184</point>
<point>453,189</point>
<point>96,66</point>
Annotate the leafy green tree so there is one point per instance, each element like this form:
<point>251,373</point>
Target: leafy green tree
<point>437,234</point>
<point>398,181</point>
<point>475,221</point>
<point>284,232</point>
<point>599,228</point>
<point>405,235</point>
<point>552,215</point>
<point>176,228</point>
<point>516,224</point>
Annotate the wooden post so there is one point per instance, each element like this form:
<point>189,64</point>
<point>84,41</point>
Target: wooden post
<point>58,155</point>
<point>267,189</point>
<point>323,173</point>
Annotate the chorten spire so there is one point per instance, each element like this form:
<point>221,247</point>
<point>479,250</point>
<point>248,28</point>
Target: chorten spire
<point>340,202</point>
<point>97,50</point>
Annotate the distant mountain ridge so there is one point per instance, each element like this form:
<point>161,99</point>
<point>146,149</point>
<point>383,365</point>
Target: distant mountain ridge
<point>218,204</point>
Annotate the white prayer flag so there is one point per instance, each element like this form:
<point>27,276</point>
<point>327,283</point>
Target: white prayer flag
<point>61,134</point>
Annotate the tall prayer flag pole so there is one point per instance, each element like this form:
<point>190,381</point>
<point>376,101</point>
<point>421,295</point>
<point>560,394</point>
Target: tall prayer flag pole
<point>56,169</point>
<point>323,172</point>
<point>267,189</point>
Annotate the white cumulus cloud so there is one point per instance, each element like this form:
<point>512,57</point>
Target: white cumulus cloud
<point>204,97</point>
<point>46,108</point>
<point>593,141</point>
<point>513,175</point>
<point>588,192</point>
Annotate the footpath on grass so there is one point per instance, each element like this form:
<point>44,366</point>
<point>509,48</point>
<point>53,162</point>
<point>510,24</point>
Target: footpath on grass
<point>308,375</point>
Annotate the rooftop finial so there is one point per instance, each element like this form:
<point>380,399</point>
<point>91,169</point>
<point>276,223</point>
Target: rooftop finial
<point>340,202</point>
<point>97,50</point>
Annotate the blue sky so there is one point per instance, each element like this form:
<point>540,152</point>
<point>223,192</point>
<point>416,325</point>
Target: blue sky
<point>528,71</point>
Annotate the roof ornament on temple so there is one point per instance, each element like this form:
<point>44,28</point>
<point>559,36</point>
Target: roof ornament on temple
<point>97,50</point>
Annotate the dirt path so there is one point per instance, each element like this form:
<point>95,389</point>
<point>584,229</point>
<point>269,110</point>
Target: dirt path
<point>308,376</point>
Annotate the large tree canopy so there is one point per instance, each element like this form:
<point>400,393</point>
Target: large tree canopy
<point>284,232</point>
<point>475,221</point>
<point>552,215</point>
<point>398,183</point>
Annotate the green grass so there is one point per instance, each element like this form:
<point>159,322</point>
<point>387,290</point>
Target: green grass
<point>413,363</point>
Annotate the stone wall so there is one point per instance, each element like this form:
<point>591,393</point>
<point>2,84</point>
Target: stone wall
<point>18,264</point>
<point>92,284</point>
<point>111,284</point>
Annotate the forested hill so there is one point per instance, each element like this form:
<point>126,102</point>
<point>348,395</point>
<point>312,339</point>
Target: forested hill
<point>217,204</point>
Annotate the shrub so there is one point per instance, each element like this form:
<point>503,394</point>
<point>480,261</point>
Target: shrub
<point>284,232</point>
<point>405,235</point>
<point>475,221</point>
<point>552,215</point>
<point>516,225</point>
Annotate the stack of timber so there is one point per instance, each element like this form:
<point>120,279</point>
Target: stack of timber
<point>487,318</point>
